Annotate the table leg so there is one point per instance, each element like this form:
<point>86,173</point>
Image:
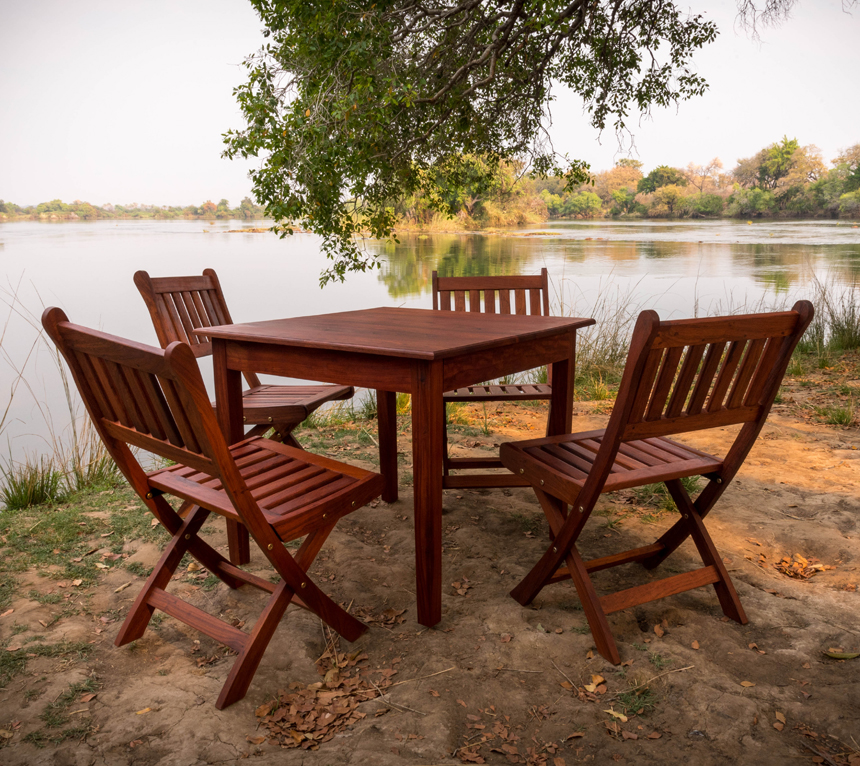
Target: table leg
<point>427,449</point>
<point>228,397</point>
<point>386,415</point>
<point>561,405</point>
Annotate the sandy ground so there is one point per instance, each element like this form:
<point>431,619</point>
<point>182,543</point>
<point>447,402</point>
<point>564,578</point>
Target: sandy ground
<point>495,682</point>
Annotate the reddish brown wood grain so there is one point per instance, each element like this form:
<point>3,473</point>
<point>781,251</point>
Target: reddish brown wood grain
<point>659,395</point>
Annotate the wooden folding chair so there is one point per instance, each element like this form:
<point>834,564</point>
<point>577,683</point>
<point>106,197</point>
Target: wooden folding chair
<point>680,376</point>
<point>155,400</point>
<point>490,295</point>
<point>178,305</point>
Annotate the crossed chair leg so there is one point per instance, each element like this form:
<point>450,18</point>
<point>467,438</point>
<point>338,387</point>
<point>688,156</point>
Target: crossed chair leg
<point>249,647</point>
<point>597,607</point>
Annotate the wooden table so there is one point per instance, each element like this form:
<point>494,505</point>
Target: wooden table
<point>416,351</point>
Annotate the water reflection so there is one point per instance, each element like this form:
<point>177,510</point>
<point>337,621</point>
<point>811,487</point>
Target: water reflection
<point>676,268</point>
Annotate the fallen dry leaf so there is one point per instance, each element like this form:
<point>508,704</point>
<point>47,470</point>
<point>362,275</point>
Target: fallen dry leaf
<point>596,680</point>
<point>695,644</point>
<point>659,631</point>
<point>655,735</point>
<point>7,613</point>
<point>460,702</point>
<point>434,693</point>
<point>629,735</point>
<point>145,710</point>
<point>620,716</point>
<point>779,726</point>
<point>506,638</point>
<point>88,697</point>
<point>838,654</point>
<point>747,683</point>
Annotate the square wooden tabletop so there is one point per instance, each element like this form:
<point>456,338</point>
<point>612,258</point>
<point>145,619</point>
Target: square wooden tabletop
<point>400,332</point>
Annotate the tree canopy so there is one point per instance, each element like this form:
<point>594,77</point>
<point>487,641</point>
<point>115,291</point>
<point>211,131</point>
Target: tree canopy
<point>350,106</point>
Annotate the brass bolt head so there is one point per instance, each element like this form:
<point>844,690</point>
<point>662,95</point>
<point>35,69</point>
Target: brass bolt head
<point>270,546</point>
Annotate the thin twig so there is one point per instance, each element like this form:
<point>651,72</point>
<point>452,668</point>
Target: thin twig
<point>421,678</point>
<point>819,754</point>
<point>393,704</point>
<point>518,670</point>
<point>370,436</point>
<point>563,673</point>
<point>676,670</point>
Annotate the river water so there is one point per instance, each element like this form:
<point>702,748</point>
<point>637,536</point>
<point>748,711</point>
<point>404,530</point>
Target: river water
<point>678,268</point>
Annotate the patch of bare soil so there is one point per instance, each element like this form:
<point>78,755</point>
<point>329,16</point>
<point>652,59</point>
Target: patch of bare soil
<point>493,682</point>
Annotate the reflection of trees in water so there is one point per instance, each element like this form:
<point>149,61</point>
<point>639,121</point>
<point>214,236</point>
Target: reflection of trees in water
<point>407,266</point>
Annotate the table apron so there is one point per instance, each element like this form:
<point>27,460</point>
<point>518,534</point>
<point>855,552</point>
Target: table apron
<point>498,362</point>
<point>346,368</point>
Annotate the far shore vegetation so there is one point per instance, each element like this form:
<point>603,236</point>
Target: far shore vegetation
<point>56,210</point>
<point>783,180</point>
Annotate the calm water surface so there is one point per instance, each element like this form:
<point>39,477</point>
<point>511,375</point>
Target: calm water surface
<point>677,268</point>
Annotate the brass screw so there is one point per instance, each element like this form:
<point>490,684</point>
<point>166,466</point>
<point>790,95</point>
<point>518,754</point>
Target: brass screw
<point>149,495</point>
<point>686,516</point>
<point>304,585</point>
<point>325,515</point>
<point>541,482</point>
<point>270,418</point>
<point>187,537</point>
<point>718,480</point>
<point>581,509</point>
<point>554,549</point>
<point>270,546</point>
<point>522,470</point>
<point>353,505</point>
<point>244,419</point>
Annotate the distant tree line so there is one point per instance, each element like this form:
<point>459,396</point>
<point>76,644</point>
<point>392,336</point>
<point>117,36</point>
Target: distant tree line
<point>77,210</point>
<point>782,180</point>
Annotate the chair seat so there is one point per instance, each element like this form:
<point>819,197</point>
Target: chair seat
<point>291,404</point>
<point>501,393</point>
<point>557,462</point>
<point>292,487</point>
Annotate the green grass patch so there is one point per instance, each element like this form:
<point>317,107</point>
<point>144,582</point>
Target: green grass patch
<point>14,662</point>
<point>638,701</point>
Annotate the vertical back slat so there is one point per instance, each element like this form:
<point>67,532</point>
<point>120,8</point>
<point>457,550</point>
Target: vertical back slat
<point>520,298</point>
<point>459,300</point>
<point>535,302</point>
<point>163,426</point>
<point>705,378</point>
<point>131,401</point>
<point>490,301</point>
<point>727,373</point>
<point>646,383</point>
<point>685,380</point>
<point>92,381</point>
<point>175,320</point>
<point>115,408</point>
<point>504,301</point>
<point>665,378</point>
<point>183,427</point>
<point>765,365</point>
<point>445,300</point>
<point>748,367</point>
<point>475,301</point>
<point>139,394</point>
<point>187,324</point>
<point>211,307</point>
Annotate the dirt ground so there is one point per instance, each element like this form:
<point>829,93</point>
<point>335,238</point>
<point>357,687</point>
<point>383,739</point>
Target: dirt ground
<point>494,682</point>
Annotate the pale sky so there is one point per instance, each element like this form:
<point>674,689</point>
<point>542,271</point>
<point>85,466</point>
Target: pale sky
<point>126,102</point>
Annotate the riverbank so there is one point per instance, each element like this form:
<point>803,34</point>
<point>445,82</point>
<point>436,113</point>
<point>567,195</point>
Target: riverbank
<point>494,682</point>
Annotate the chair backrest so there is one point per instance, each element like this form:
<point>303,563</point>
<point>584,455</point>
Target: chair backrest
<point>142,396</point>
<point>178,305</point>
<point>501,295</point>
<point>695,374</point>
